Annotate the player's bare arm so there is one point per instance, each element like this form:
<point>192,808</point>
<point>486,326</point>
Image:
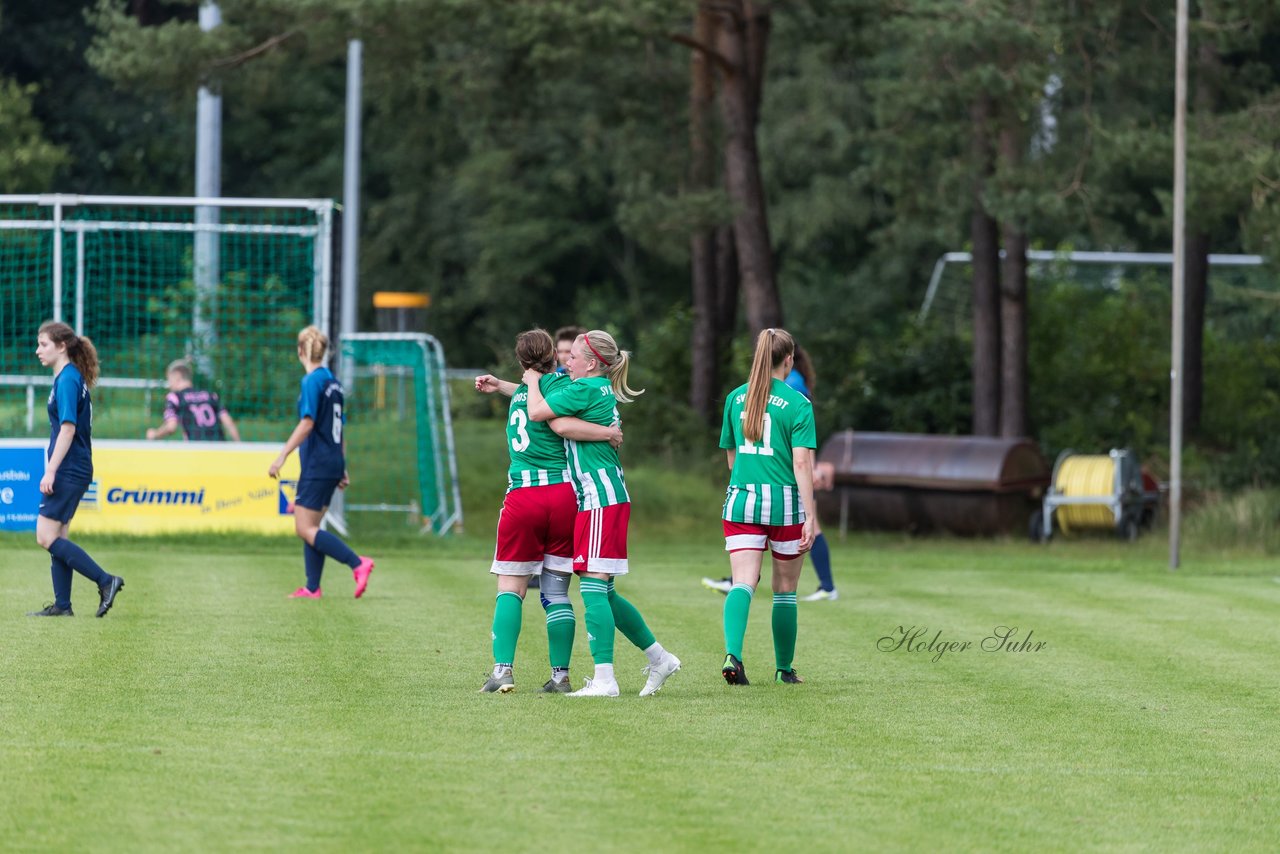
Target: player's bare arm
<point>488,384</point>
<point>296,438</point>
<point>584,431</point>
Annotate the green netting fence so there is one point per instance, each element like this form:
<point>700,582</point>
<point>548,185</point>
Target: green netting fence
<point>226,285</point>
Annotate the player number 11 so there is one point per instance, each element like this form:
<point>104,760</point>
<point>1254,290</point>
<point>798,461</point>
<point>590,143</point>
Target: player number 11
<point>765,448</point>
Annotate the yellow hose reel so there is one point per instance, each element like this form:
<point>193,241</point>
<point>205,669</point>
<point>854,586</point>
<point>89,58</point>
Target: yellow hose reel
<point>1094,492</point>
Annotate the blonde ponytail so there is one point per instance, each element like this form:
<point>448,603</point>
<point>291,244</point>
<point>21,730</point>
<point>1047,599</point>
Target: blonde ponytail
<point>313,344</point>
<point>772,348</point>
<point>616,362</point>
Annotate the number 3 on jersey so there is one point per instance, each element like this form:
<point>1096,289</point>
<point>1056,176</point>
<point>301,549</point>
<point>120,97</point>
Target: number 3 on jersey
<point>765,448</point>
<point>519,418</point>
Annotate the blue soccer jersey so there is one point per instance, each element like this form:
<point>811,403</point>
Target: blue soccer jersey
<point>69,403</point>
<point>795,380</point>
<point>322,401</point>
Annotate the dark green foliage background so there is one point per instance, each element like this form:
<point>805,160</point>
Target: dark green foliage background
<point>526,163</point>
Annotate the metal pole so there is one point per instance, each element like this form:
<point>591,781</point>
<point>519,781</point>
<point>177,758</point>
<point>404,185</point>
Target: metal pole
<point>1179,282</point>
<point>350,230</point>
<point>323,304</point>
<point>80,281</point>
<point>57,261</point>
<point>351,190</point>
<point>208,185</point>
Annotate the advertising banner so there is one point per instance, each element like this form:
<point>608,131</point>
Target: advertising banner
<point>159,487</point>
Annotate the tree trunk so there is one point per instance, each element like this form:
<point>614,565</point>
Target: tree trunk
<point>726,287</point>
<point>1013,303</point>
<point>739,95</point>
<point>1196,281</point>
<point>1196,287</point>
<point>704,347</point>
<point>1013,335</point>
<point>984,234</point>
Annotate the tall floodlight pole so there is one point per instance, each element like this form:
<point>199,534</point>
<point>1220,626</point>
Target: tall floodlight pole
<point>350,235</point>
<point>208,185</point>
<point>1179,283</point>
<point>351,190</point>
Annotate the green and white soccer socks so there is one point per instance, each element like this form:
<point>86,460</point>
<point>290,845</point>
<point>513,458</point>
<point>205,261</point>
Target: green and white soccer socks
<point>785,626</point>
<point>561,624</point>
<point>629,620</point>
<point>737,607</point>
<point>599,619</point>
<point>508,610</point>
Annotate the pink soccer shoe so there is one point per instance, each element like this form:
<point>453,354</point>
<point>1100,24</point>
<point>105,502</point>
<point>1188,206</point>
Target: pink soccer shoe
<point>304,593</point>
<point>361,574</point>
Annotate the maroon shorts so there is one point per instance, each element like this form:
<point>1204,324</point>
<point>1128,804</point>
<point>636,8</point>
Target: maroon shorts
<point>535,529</point>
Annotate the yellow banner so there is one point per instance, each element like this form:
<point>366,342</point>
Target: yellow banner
<point>153,488</point>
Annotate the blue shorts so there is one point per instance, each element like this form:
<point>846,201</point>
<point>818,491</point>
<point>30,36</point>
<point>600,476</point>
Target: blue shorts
<point>315,493</point>
<point>61,506</point>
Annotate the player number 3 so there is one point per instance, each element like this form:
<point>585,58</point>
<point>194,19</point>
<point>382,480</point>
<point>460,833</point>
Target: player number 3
<point>521,440</point>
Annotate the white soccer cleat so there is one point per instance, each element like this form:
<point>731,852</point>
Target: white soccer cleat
<point>823,596</point>
<point>658,674</point>
<point>596,688</point>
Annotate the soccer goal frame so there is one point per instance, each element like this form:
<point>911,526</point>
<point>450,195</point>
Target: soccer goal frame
<point>205,223</point>
<point>441,499</point>
<point>57,243</point>
<point>1114,259</point>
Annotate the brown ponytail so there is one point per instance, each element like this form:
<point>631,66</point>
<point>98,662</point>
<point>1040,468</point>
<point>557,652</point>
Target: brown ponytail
<point>616,362</point>
<point>80,350</point>
<point>772,347</point>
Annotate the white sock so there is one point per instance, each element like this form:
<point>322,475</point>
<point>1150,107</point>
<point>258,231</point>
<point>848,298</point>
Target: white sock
<point>558,676</point>
<point>654,653</point>
<point>604,673</point>
<point>501,670</point>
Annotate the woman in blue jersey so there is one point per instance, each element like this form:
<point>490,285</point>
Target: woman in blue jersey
<point>318,438</point>
<point>768,438</point>
<point>68,468</point>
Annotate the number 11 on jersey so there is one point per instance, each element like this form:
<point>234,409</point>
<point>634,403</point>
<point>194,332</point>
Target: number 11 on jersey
<point>765,448</point>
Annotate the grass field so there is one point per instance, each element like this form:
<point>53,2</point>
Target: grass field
<point>209,712</point>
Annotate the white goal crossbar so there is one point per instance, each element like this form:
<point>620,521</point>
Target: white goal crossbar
<point>1081,257</point>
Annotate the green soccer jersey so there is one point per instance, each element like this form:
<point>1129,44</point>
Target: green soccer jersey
<point>593,466</point>
<point>762,487</point>
<point>537,453</point>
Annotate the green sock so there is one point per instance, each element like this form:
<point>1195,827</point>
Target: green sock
<point>599,619</point>
<point>561,623</point>
<point>737,607</point>
<point>507,612</point>
<point>785,625</point>
<point>629,620</point>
